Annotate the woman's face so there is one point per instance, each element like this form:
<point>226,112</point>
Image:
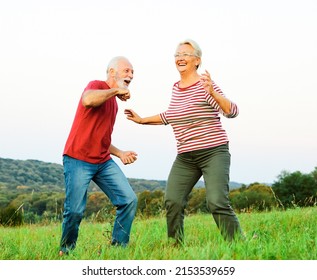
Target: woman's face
<point>185,59</point>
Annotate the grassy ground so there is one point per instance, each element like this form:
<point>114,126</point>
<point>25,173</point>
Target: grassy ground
<point>287,235</point>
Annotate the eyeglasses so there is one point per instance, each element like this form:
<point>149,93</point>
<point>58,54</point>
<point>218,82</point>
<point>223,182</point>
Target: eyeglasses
<point>178,55</point>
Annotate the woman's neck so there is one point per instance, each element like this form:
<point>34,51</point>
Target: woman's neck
<point>188,79</point>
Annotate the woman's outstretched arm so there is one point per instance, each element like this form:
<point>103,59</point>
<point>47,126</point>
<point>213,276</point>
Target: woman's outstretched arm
<point>133,116</point>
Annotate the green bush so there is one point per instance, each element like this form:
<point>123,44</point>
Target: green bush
<point>256,196</point>
<point>10,216</point>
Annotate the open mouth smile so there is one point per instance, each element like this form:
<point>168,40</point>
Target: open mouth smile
<point>127,82</point>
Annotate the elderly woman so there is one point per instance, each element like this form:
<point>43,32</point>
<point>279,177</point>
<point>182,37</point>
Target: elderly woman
<point>202,143</point>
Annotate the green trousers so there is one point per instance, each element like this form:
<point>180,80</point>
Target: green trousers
<point>214,165</point>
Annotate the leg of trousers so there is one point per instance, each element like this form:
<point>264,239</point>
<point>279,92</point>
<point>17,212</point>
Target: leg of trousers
<point>181,180</point>
<point>214,165</point>
<point>77,178</point>
<point>115,185</point>
<point>111,180</point>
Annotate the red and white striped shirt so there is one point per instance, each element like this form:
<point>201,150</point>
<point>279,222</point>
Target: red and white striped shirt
<point>194,117</point>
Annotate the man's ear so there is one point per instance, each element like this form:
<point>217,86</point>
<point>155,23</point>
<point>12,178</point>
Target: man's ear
<point>112,72</point>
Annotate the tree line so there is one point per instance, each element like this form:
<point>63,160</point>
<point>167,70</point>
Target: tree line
<point>39,176</point>
<point>25,204</point>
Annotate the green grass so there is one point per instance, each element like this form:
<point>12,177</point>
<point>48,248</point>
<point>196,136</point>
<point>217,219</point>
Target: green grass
<point>286,235</point>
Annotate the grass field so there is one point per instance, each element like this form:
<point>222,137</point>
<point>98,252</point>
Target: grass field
<point>276,235</point>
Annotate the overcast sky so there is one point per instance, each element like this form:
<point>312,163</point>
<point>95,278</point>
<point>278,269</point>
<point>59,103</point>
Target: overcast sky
<point>262,54</point>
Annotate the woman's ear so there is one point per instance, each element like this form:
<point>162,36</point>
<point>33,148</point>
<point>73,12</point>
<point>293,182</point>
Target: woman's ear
<point>197,63</point>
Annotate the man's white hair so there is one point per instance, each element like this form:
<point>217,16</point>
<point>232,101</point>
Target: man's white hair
<point>113,64</point>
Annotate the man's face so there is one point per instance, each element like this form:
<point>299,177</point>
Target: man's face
<point>124,74</point>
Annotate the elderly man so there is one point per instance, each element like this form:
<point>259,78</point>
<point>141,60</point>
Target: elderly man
<point>87,156</point>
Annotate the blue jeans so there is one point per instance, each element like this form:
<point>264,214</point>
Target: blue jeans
<point>111,180</point>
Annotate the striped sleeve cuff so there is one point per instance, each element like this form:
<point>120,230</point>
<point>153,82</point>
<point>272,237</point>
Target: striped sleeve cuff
<point>163,118</point>
<point>234,111</point>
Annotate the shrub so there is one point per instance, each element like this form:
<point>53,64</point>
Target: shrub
<point>10,216</point>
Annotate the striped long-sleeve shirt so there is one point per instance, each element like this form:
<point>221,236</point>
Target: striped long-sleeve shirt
<point>194,117</point>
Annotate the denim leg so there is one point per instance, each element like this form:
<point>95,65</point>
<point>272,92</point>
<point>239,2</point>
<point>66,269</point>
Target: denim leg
<point>115,185</point>
<point>78,175</point>
<point>181,180</point>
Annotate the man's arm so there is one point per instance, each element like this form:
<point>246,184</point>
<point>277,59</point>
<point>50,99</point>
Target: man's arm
<point>96,97</point>
<point>126,157</point>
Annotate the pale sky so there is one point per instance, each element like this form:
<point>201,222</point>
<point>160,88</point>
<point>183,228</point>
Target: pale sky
<point>262,54</point>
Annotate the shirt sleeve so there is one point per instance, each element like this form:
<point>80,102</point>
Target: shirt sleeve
<point>163,118</point>
<point>234,111</point>
<point>93,85</point>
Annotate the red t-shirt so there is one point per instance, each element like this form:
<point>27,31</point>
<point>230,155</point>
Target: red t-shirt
<point>90,136</point>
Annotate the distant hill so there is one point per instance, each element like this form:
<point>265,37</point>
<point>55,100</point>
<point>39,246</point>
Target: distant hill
<point>232,185</point>
<point>39,175</point>
<point>42,176</point>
